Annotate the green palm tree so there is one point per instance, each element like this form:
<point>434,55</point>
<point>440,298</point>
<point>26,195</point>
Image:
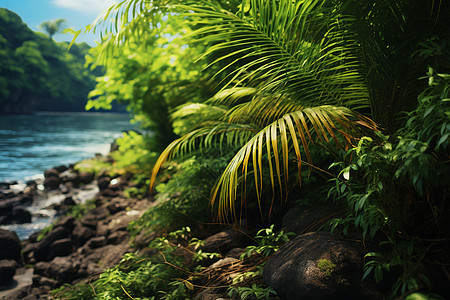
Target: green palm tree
<point>291,74</point>
<point>52,27</point>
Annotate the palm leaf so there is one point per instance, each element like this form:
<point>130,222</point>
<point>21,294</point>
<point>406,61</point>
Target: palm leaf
<point>207,135</point>
<point>327,123</point>
<point>319,68</point>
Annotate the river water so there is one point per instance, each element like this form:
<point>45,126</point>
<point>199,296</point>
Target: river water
<point>31,144</point>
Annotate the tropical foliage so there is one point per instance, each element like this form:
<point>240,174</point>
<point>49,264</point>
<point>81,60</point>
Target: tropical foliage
<point>282,87</point>
<point>52,27</point>
<point>38,74</point>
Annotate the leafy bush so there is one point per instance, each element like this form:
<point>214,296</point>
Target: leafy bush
<point>133,153</point>
<point>247,282</point>
<point>184,199</point>
<point>160,276</point>
<point>398,186</point>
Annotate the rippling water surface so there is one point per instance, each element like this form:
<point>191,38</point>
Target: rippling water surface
<point>30,144</point>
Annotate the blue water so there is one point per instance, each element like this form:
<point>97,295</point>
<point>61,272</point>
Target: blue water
<point>31,144</point>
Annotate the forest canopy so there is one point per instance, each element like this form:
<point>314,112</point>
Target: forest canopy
<point>37,73</point>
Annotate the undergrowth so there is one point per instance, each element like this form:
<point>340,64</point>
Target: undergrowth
<point>172,270</point>
<point>183,200</point>
<point>397,191</point>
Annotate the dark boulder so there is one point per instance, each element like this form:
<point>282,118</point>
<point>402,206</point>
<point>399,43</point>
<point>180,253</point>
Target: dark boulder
<point>96,242</point>
<point>10,245</point>
<point>62,247</point>
<point>39,281</point>
<point>53,172</point>
<point>61,269</point>
<point>316,266</point>
<point>67,223</point>
<point>7,270</point>
<point>52,183</point>
<point>225,241</point>
<point>86,177</point>
<point>70,178</point>
<point>52,179</point>
<point>61,168</point>
<point>117,237</point>
<point>103,183</point>
<point>301,219</point>
<point>41,252</point>
<point>81,234</point>
<point>12,210</point>
<point>20,215</point>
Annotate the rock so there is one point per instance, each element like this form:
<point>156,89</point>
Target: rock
<point>143,239</point>
<point>7,270</point>
<point>316,266</point>
<point>225,241</point>
<point>86,177</point>
<point>20,215</point>
<point>98,213</point>
<point>117,237</point>
<point>10,245</point>
<point>13,211</point>
<point>109,193</point>
<point>6,206</point>
<point>300,219</point>
<point>52,183</point>
<point>52,179</point>
<point>81,234</point>
<point>235,252</point>
<point>41,268</point>
<point>208,294</point>
<point>103,182</point>
<point>224,262</point>
<point>62,247</point>
<point>69,201</point>
<point>4,185</point>
<point>42,250</point>
<point>41,281</point>
<point>60,169</point>
<point>53,172</point>
<point>70,178</point>
<point>89,221</point>
<point>68,223</point>
<point>115,206</point>
<point>28,251</point>
<point>96,242</point>
<point>109,255</point>
<point>61,269</point>
<point>30,297</point>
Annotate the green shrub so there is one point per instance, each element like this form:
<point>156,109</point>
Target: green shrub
<point>184,199</point>
<point>397,191</point>
<point>161,276</point>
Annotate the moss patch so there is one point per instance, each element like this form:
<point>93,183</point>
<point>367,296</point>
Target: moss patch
<point>326,267</point>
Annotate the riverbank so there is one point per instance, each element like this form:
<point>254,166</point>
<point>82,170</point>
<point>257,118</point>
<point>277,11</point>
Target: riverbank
<point>90,252</point>
<point>88,234</point>
<point>91,237</point>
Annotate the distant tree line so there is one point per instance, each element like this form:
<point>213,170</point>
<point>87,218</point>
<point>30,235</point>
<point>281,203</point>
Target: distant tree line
<point>36,73</point>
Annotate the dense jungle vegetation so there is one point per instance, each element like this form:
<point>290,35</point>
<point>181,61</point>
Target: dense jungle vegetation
<point>256,105</point>
<point>36,73</point>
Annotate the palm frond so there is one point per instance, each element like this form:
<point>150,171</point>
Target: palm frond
<point>207,135</point>
<point>293,132</point>
<point>301,52</point>
<point>190,116</point>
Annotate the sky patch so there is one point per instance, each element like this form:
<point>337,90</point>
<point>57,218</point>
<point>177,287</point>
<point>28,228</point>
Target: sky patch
<point>88,7</point>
